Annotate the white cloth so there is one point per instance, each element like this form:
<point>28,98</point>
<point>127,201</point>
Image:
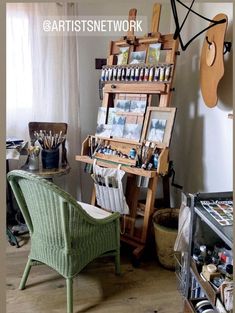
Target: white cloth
<point>111,198</point>
<point>182,240</point>
<point>93,211</point>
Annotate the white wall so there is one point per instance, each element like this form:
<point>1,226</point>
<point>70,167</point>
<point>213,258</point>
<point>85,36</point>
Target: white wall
<point>202,139</point>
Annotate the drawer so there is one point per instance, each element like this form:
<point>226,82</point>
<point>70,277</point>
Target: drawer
<point>145,87</point>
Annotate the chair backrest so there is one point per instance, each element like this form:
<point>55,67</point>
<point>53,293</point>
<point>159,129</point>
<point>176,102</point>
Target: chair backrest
<point>55,128</point>
<point>52,215</point>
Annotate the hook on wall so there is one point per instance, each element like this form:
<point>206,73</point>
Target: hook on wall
<point>227,46</point>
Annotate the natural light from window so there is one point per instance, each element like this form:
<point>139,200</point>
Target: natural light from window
<point>19,64</point>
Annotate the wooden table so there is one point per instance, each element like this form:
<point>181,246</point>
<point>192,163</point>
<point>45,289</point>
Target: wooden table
<point>49,173</point>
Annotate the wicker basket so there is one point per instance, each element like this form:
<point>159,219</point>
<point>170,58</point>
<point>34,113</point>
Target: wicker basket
<point>165,223</point>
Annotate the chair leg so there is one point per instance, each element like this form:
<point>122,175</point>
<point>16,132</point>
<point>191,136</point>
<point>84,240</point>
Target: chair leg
<point>117,264</point>
<point>69,283</point>
<point>25,275</point>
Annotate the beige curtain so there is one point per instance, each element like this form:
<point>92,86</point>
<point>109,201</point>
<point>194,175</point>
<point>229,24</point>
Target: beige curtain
<point>42,77</point>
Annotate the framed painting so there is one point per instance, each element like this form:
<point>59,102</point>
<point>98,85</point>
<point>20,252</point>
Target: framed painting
<point>158,125</point>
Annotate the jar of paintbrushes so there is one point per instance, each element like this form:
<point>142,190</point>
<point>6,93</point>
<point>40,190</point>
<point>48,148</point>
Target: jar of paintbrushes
<point>50,144</point>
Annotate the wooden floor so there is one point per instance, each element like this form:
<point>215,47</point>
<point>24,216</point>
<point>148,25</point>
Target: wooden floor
<point>147,289</point>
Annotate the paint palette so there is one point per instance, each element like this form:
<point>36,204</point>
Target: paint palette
<point>221,211</point>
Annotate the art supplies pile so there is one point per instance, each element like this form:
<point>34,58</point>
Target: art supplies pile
<point>145,156</point>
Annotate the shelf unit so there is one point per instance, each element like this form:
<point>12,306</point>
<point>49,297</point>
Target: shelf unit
<point>189,275</point>
<point>136,230</point>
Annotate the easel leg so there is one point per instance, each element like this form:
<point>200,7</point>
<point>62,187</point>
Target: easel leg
<point>149,206</point>
<point>132,196</point>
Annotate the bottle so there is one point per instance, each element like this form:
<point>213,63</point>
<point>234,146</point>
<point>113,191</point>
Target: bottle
<point>226,255</point>
<point>167,73</point>
<point>162,73</point>
<point>157,74</point>
<point>146,74</point>
<point>132,153</point>
<point>132,74</point>
<point>203,253</point>
<point>141,74</point>
<point>106,75</point>
<point>115,73</point>
<point>123,74</point>
<point>155,160</point>
<point>137,74</point>
<point>229,272</point>
<point>110,73</point>
<point>103,74</point>
<point>151,74</point>
<point>119,74</point>
<point>128,73</point>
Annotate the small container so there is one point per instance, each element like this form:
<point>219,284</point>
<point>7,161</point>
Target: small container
<point>132,153</point>
<point>155,161</point>
<point>229,272</point>
<point>226,256</point>
<point>203,250</point>
<point>50,158</point>
<point>33,162</point>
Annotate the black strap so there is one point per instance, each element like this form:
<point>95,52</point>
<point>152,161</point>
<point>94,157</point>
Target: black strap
<point>179,28</point>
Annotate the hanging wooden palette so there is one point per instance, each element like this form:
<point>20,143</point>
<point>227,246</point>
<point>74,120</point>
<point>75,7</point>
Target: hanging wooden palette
<point>212,61</point>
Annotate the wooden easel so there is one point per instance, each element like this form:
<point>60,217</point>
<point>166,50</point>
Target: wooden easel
<point>135,234</point>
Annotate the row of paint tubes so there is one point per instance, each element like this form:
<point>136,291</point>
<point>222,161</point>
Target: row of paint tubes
<point>158,73</point>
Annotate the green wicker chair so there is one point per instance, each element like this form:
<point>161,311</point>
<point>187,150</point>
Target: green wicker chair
<point>63,235</point>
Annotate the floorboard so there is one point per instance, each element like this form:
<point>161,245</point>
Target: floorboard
<point>147,289</point>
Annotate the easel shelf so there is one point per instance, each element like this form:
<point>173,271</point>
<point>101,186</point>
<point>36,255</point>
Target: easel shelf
<point>125,168</point>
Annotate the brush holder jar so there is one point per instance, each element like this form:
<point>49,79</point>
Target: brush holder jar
<point>50,158</point>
